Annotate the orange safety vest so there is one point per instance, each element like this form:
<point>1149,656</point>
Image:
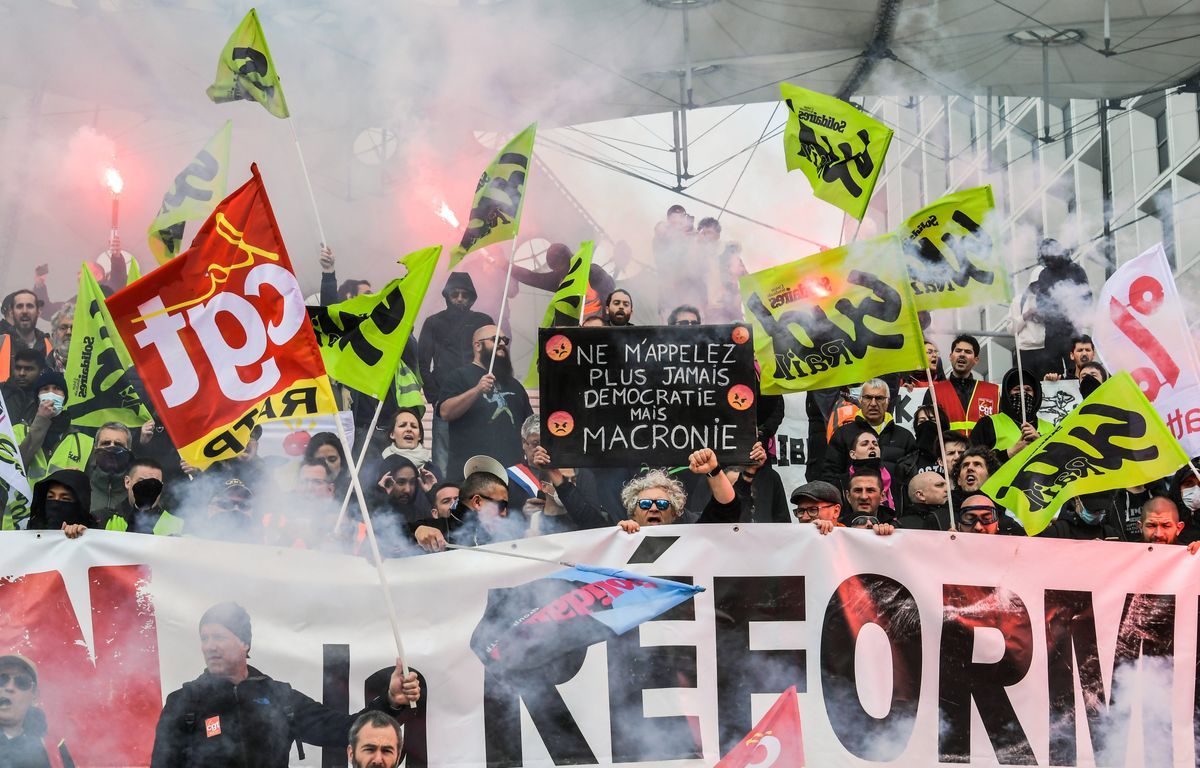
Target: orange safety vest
<point>6,354</point>
<point>593,303</point>
<point>985,400</point>
<point>843,414</point>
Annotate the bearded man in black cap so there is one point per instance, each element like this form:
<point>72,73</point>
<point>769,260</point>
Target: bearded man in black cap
<point>234,716</point>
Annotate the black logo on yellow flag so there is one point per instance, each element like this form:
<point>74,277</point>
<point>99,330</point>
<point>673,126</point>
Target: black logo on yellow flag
<point>831,346</point>
<point>1044,474</point>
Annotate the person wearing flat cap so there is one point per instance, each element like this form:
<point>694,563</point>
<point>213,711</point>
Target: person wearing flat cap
<point>820,503</point>
<point>234,716</point>
<point>22,725</point>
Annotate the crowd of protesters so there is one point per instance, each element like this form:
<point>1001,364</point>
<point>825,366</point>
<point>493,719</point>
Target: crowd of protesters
<point>480,474</point>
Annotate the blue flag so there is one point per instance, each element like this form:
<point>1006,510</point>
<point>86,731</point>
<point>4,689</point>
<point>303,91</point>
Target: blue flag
<point>569,610</point>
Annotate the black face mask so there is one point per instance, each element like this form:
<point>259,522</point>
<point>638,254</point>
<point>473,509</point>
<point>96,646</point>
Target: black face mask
<point>1015,402</point>
<point>114,459</point>
<point>146,492</point>
<point>59,512</point>
<point>1087,385</point>
<point>865,463</point>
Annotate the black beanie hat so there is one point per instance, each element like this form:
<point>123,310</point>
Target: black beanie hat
<point>51,377</point>
<point>231,616</point>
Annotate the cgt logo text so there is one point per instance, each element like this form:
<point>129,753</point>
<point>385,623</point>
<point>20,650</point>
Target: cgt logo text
<point>212,323</point>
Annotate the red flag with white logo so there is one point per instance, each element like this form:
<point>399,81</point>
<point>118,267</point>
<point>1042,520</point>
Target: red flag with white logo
<point>776,741</point>
<point>220,335</point>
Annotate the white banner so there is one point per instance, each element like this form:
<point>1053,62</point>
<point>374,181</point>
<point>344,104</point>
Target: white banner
<point>791,442</point>
<point>909,650</point>
<point>1059,398</point>
<point>1140,327</point>
<point>286,438</point>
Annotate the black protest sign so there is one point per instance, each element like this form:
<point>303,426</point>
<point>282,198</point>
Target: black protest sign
<point>617,397</point>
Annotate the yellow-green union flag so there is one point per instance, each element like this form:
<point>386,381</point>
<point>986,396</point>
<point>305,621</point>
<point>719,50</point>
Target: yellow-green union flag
<point>362,339</point>
<point>245,70</point>
<point>195,192</point>
<point>566,305</point>
<point>499,197</point>
<point>834,318</point>
<point>1114,439</point>
<point>951,257</point>
<point>837,147</point>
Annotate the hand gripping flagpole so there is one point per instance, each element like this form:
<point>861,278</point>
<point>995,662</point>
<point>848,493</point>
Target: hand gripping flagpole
<point>307,181</point>
<point>362,456</point>
<point>387,593</point>
<point>512,255</point>
<point>937,420</point>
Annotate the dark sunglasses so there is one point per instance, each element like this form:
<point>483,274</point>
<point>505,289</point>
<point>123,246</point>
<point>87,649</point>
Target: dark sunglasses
<point>662,504</point>
<point>502,339</point>
<point>460,294</point>
<point>687,322</point>
<point>21,681</point>
<point>502,503</point>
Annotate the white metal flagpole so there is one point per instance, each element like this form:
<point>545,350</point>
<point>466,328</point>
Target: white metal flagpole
<point>937,420</point>
<point>357,467</point>
<point>387,592</point>
<point>512,255</point>
<point>308,182</point>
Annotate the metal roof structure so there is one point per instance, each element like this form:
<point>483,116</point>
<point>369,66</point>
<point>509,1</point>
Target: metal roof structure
<point>591,61</point>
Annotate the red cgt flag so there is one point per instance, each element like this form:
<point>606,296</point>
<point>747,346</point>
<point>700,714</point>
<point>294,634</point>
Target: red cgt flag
<point>775,742</point>
<point>220,335</point>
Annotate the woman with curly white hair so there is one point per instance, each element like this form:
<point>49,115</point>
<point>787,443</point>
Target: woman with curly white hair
<point>655,498</point>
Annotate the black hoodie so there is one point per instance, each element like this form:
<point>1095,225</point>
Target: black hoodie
<point>984,432</point>
<point>445,342</point>
<point>43,519</point>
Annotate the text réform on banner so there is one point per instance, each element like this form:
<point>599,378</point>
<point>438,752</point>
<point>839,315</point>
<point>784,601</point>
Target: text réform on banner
<point>654,393</point>
<point>220,334</point>
<point>974,650</point>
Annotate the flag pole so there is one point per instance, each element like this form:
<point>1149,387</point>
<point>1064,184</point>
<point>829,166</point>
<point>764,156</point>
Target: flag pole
<point>307,181</point>
<point>857,227</point>
<point>512,255</point>
<point>1012,270</point>
<point>937,420</point>
<point>357,467</point>
<point>387,593</point>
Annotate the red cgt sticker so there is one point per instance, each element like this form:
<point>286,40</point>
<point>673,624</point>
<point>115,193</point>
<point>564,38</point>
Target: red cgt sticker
<point>212,726</point>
